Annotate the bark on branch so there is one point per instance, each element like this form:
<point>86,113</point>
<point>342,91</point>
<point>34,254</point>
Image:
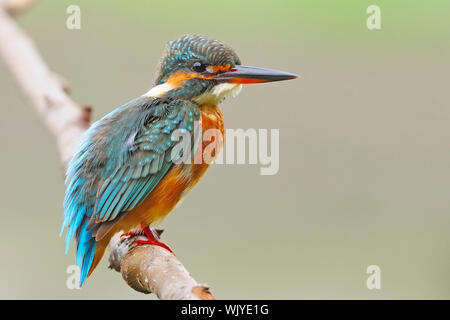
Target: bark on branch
<point>145,268</point>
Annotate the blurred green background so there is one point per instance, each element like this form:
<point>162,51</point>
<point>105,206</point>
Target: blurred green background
<point>364,149</point>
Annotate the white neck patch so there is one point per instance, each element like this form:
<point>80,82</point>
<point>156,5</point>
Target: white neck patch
<point>218,93</point>
<point>159,90</point>
<point>211,97</point>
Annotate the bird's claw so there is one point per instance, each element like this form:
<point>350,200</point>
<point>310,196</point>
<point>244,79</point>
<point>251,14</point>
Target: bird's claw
<point>152,242</point>
<point>152,239</point>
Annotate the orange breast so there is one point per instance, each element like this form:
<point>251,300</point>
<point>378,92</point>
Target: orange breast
<point>212,119</point>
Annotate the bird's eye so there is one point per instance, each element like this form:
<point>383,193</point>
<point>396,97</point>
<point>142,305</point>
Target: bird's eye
<point>198,67</point>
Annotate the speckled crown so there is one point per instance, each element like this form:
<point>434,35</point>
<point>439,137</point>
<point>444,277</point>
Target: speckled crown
<point>184,51</point>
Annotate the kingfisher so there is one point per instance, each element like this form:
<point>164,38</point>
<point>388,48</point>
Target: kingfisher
<point>124,176</point>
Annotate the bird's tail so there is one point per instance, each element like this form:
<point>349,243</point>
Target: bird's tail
<point>100,250</point>
<point>89,250</point>
<point>86,250</point>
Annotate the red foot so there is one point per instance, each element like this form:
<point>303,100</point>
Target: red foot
<point>151,239</point>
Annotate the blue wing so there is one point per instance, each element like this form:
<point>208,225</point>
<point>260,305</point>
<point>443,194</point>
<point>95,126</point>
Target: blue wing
<point>122,158</point>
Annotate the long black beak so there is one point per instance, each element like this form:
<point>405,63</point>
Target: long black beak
<point>246,74</point>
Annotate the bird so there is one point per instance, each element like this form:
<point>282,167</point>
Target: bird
<point>123,175</point>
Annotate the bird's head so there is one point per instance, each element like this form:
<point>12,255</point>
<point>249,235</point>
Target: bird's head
<point>205,70</point>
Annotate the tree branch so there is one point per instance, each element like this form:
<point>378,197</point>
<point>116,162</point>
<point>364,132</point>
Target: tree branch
<point>164,275</point>
<point>15,6</point>
<point>46,91</point>
<point>145,268</point>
